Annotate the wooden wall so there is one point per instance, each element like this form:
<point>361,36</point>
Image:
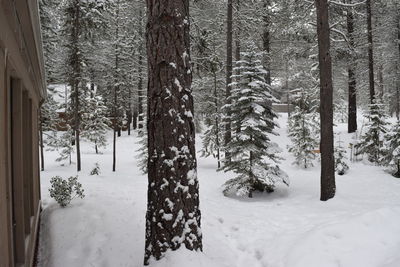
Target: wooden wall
<point>19,160</point>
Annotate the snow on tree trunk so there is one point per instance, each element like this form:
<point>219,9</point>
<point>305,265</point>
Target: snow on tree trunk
<point>173,214</point>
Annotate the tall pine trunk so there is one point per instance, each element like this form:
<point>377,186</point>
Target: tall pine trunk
<point>352,112</point>
<point>229,51</point>
<point>370,52</point>
<point>116,89</point>
<point>75,83</point>
<point>266,41</point>
<point>237,53</point>
<point>140,72</point>
<point>173,214</point>
<point>217,130</point>
<point>328,186</point>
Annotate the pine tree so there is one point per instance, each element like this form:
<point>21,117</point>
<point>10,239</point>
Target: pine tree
<point>340,158</point>
<point>253,155</point>
<point>95,122</point>
<point>371,142</point>
<point>173,214</point>
<point>303,136</point>
<point>392,149</point>
<point>303,123</point>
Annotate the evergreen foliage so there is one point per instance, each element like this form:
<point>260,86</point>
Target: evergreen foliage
<point>253,155</point>
<point>303,123</point>
<point>95,122</point>
<point>96,169</point>
<point>64,191</point>
<point>392,149</point>
<point>372,140</point>
<point>340,158</point>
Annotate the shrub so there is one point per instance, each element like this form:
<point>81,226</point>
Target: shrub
<point>64,191</point>
<point>96,169</point>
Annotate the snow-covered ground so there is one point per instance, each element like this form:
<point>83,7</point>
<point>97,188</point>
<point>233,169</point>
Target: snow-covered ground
<point>360,227</point>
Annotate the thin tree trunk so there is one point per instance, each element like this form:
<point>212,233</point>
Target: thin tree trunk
<point>216,118</point>
<point>116,122</point>
<point>75,83</point>
<point>352,112</point>
<point>237,52</point>
<point>173,214</point>
<point>229,41</point>
<point>380,81</point>
<point>328,186</point>
<point>370,52</point>
<point>41,139</point>
<point>398,68</point>
<point>140,72</point>
<point>266,42</point>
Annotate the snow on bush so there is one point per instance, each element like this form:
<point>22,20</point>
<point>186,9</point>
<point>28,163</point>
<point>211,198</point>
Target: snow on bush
<point>64,191</point>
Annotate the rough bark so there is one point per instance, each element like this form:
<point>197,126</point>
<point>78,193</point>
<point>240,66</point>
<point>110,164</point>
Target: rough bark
<point>237,52</point>
<point>173,214</point>
<point>328,186</point>
<point>370,52</point>
<point>352,112</point>
<point>75,83</point>
<point>266,41</point>
<point>229,51</point>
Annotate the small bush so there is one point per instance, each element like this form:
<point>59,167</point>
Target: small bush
<point>96,169</point>
<point>64,191</point>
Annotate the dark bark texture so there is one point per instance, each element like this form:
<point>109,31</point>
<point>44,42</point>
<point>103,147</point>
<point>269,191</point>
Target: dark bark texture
<point>328,187</point>
<point>266,41</point>
<point>352,113</point>
<point>229,55</point>
<point>370,52</point>
<point>173,214</point>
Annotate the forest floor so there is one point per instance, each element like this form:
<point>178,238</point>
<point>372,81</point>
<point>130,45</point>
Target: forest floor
<point>288,228</point>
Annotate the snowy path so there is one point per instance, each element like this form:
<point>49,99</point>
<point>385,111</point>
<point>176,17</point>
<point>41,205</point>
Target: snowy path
<point>289,228</point>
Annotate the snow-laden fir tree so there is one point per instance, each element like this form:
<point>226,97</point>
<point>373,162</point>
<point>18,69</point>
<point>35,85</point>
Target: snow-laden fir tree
<point>340,158</point>
<point>372,140</point>
<point>253,155</point>
<point>302,135</point>
<point>392,149</point>
<point>303,124</point>
<point>95,122</point>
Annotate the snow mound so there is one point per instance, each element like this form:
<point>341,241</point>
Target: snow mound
<point>184,257</point>
<point>367,240</point>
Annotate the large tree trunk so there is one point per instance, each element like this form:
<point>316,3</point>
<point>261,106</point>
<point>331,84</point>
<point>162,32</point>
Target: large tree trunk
<point>328,186</point>
<point>352,112</point>
<point>140,72</point>
<point>229,40</point>
<point>173,214</point>
<point>370,53</point>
